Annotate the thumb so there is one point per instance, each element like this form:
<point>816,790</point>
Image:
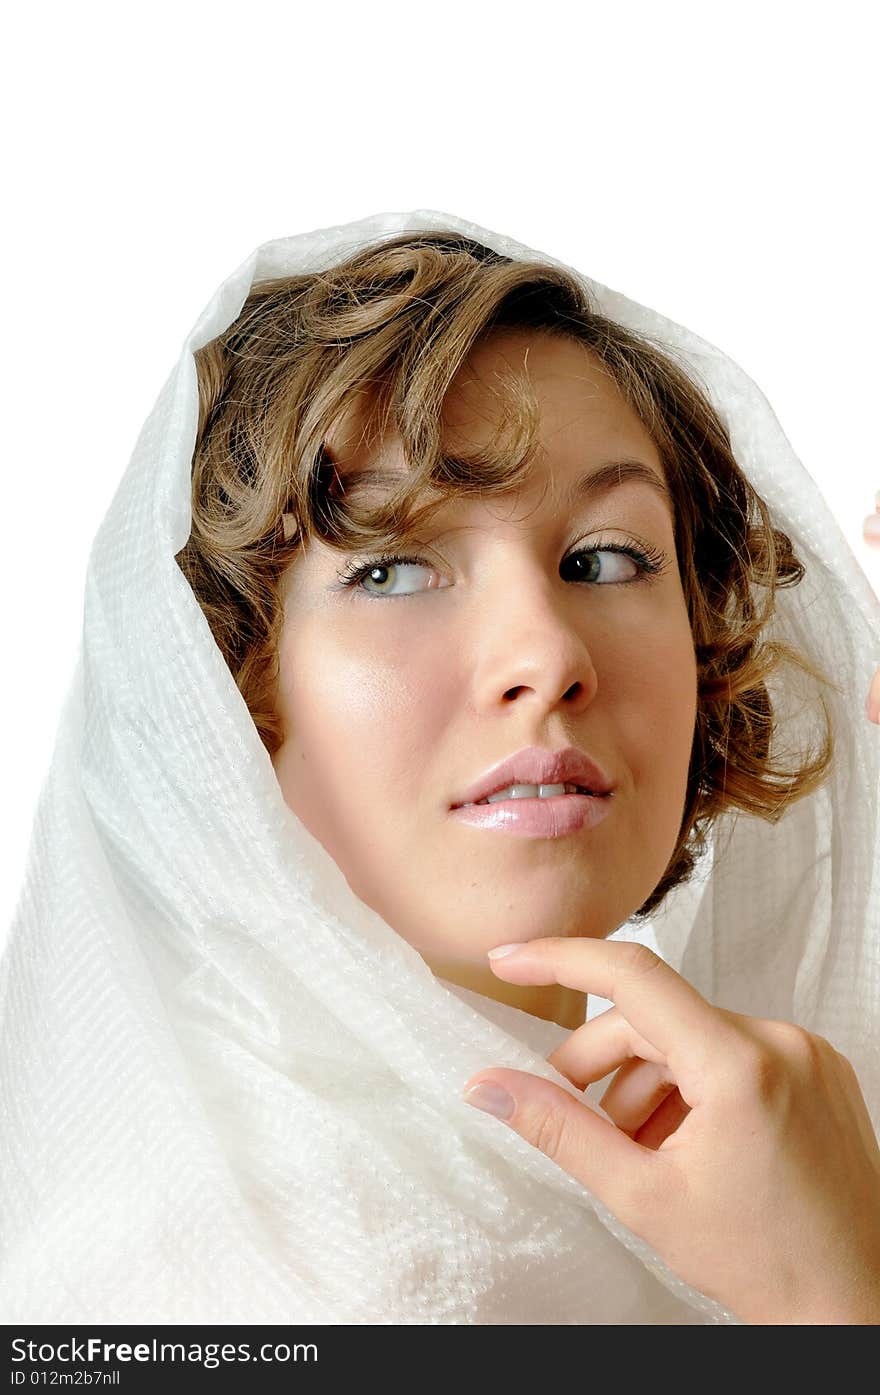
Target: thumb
<point>623,1174</point>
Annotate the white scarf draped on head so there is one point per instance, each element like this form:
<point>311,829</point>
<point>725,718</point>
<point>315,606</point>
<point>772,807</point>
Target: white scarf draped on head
<point>232,1093</point>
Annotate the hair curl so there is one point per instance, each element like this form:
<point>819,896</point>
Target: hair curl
<point>391,326</point>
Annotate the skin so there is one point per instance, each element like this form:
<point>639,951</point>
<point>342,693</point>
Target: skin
<point>740,1148</point>
<point>394,704</point>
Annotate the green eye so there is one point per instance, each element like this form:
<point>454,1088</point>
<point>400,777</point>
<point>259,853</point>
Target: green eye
<point>372,572</point>
<point>649,563</point>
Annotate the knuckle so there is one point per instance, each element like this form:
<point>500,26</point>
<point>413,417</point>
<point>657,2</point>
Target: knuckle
<point>799,1047</point>
<point>773,1056</point>
<point>550,1133</point>
<point>846,1065</point>
<point>640,960</point>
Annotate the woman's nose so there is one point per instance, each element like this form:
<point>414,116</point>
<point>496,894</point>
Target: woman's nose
<point>532,647</point>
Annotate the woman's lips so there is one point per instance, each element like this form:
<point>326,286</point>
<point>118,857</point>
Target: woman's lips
<point>538,818</point>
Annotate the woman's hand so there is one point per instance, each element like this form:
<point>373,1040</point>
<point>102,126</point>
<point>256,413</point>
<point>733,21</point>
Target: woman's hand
<point>871,534</point>
<point>743,1151</point>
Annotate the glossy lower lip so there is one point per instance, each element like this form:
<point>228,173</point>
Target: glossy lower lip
<point>538,818</point>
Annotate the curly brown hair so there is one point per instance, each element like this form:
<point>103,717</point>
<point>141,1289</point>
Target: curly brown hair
<point>389,327</point>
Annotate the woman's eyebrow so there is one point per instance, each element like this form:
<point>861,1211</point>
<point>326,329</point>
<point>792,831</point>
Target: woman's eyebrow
<point>612,473</point>
<point>588,485</point>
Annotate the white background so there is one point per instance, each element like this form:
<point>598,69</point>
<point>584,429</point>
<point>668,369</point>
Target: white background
<point>716,162</point>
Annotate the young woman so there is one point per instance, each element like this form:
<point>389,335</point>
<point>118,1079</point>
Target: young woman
<point>449,600</point>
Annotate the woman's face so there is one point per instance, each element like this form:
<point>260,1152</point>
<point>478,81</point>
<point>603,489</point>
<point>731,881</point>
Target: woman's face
<point>400,692</point>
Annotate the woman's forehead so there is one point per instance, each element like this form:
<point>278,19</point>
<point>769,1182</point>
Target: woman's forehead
<point>583,419</point>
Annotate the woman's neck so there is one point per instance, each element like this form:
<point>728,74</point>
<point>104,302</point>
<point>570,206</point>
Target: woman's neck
<point>552,1001</point>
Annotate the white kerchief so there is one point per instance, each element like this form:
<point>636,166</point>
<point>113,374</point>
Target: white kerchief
<point>230,1092</point>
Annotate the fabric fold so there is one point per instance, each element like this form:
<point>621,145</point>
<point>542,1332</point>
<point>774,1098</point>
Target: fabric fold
<point>232,1093</point>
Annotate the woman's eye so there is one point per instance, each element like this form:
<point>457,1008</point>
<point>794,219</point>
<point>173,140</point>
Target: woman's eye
<point>603,565</point>
<point>393,576</point>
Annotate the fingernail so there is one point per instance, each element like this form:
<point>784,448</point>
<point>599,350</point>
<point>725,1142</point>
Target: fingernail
<point>490,1098</point>
<point>501,950</point>
<point>871,526</point>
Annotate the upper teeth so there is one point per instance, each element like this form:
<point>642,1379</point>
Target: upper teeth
<point>530,792</point>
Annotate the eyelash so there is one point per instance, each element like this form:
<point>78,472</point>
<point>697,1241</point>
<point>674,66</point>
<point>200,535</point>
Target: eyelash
<point>650,561</point>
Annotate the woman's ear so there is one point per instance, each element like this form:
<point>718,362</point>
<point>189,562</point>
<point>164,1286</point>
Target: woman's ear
<point>289,523</point>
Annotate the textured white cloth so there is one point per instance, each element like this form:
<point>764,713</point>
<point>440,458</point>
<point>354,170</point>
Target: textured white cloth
<point>229,1091</point>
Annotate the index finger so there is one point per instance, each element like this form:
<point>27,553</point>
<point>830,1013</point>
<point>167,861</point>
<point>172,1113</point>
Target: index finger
<point>667,1010</point>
